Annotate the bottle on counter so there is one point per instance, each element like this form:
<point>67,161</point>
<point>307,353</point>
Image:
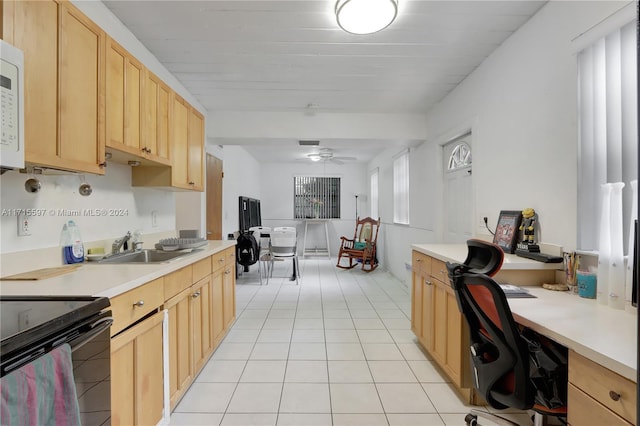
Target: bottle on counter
<point>71,242</point>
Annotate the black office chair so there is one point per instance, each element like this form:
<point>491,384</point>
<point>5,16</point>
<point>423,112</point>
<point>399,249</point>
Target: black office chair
<point>500,355</point>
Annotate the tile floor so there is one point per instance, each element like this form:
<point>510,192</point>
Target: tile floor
<point>335,350</point>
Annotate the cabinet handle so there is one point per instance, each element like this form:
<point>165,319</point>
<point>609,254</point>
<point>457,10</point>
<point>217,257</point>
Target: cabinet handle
<point>221,260</point>
<point>139,303</point>
<point>614,395</point>
<point>196,294</point>
<point>418,260</point>
<point>227,272</point>
<point>192,183</point>
<point>103,165</point>
<point>427,282</point>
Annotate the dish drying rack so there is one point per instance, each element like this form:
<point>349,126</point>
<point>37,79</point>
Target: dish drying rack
<point>173,244</point>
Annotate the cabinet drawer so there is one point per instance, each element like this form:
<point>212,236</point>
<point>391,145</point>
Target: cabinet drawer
<point>218,260</point>
<point>201,269</point>
<point>230,255</point>
<point>439,271</point>
<point>604,386</point>
<point>177,281</point>
<point>421,263</point>
<point>127,309</point>
<point>585,411</point>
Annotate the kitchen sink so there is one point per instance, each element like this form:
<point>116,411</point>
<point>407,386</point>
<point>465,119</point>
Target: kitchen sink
<point>145,256</point>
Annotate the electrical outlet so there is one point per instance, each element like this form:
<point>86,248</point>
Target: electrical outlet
<point>154,219</point>
<point>24,228</point>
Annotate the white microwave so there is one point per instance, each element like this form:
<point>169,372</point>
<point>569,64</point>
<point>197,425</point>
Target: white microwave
<point>12,106</point>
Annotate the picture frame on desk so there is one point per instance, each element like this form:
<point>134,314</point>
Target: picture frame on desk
<point>508,230</point>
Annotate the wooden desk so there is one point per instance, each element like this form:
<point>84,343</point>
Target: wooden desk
<point>604,337</point>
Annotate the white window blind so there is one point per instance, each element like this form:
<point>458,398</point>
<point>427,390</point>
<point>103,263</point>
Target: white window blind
<point>401,188</point>
<point>374,194</point>
<point>316,197</point>
<point>608,112</point>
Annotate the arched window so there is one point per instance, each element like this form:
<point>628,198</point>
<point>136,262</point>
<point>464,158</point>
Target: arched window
<point>460,157</point>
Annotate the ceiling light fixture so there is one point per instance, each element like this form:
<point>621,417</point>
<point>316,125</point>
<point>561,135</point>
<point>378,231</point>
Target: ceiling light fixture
<point>365,16</point>
<point>314,157</point>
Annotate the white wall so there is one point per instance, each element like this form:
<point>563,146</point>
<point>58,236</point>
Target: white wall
<point>242,177</point>
<point>394,241</point>
<point>59,198</point>
<point>277,199</point>
<point>521,104</point>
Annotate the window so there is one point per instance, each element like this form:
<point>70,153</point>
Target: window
<point>401,188</point>
<point>374,194</point>
<point>608,127</point>
<point>316,197</point>
<point>460,157</point>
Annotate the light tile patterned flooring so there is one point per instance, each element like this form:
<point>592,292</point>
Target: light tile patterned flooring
<point>335,350</point>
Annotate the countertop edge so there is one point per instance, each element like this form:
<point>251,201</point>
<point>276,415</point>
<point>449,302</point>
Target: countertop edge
<point>93,279</point>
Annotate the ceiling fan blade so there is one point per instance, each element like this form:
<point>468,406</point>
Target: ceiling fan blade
<point>335,160</point>
<point>345,158</point>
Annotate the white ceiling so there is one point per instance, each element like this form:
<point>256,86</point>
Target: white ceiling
<point>290,56</point>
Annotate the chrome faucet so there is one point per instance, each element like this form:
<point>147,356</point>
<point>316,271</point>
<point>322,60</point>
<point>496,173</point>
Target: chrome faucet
<point>117,244</point>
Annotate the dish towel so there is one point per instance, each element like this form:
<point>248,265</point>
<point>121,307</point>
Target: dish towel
<point>41,392</point>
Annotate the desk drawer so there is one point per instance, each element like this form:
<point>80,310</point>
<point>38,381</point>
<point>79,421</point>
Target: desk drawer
<point>421,263</point>
<point>439,271</point>
<point>127,309</point>
<point>604,386</point>
<point>585,411</point>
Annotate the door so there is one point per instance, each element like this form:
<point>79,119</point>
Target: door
<point>214,198</point>
<point>458,203</point>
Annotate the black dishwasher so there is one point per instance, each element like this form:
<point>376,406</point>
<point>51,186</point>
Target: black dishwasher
<point>32,326</point>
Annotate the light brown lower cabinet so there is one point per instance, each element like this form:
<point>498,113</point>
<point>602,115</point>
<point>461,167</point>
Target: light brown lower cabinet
<point>136,374</point>
<point>598,396</point>
<point>180,345</point>
<point>200,301</point>
<point>438,324</point>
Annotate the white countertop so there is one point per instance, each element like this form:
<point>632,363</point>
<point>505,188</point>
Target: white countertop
<point>598,332</point>
<point>107,280</point>
<point>458,253</point>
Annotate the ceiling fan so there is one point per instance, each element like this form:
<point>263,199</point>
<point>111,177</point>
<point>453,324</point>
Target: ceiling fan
<point>326,155</point>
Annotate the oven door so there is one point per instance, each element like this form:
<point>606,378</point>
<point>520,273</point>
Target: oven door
<point>92,372</point>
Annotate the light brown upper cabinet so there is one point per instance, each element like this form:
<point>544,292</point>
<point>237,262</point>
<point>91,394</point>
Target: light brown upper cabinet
<point>124,87</point>
<point>64,84</point>
<point>155,136</point>
<point>186,148</point>
<point>137,110</point>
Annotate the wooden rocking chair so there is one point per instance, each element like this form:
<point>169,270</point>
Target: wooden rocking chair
<point>362,246</point>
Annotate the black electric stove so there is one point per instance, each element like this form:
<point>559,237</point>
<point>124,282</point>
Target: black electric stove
<point>31,326</point>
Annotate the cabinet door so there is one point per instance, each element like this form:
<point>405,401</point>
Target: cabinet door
<point>440,323</point>
<point>132,102</point>
<point>179,143</point>
<point>229,295</point>
<point>81,92</point>
<point>155,137</point>
<point>217,308</point>
<point>196,150</point>
<point>201,321</point>
<point>180,349</point>
<point>427,313</point>
<point>454,338</point>
<point>115,104</point>
<point>416,301</point>
<point>137,374</point>
<point>123,102</point>
<point>36,33</point>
